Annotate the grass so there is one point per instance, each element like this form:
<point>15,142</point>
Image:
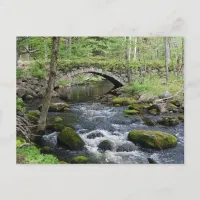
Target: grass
<point>154,85</point>
<point>32,155</point>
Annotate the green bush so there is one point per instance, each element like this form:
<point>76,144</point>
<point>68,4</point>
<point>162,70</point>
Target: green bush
<point>37,70</point>
<point>20,105</point>
<point>20,73</point>
<point>33,156</point>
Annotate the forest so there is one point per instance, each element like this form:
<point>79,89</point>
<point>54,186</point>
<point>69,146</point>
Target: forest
<point>87,100</point>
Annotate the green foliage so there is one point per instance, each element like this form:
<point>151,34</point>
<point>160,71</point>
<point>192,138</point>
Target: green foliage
<point>20,141</point>
<point>154,85</point>
<point>36,70</point>
<point>33,156</point>
<point>20,73</point>
<point>63,82</point>
<point>20,105</point>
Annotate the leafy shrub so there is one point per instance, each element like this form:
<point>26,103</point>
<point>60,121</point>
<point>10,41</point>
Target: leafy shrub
<point>20,105</point>
<point>20,73</point>
<point>37,70</point>
<point>33,156</point>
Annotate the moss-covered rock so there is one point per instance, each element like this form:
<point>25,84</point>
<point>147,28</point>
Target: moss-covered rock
<point>79,160</point>
<point>124,101</point>
<point>152,139</point>
<point>46,150</point>
<point>63,162</point>
<point>117,105</point>
<point>148,121</point>
<point>131,112</point>
<point>177,103</point>
<point>168,121</point>
<point>70,139</point>
<point>33,116</point>
<point>55,124</point>
<point>57,107</point>
<point>181,118</point>
<point>172,107</point>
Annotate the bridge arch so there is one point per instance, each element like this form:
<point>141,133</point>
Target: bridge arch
<point>116,78</point>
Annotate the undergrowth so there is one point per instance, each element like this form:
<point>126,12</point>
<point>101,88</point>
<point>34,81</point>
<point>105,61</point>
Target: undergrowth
<point>32,155</point>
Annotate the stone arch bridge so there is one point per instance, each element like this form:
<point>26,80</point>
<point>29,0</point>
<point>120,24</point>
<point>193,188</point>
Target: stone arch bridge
<point>117,77</point>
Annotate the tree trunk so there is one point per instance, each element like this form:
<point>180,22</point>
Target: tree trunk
<point>135,49</point>
<point>182,55</point>
<point>50,87</point>
<point>167,49</point>
<point>138,50</point>
<point>68,45</point>
<point>128,57</point>
<point>45,50</point>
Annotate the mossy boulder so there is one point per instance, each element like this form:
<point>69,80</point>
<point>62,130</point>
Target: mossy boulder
<point>70,139</point>
<point>124,101</point>
<point>172,107</point>
<point>33,116</point>
<point>168,121</point>
<point>181,118</point>
<point>136,106</point>
<point>105,145</point>
<point>46,150</point>
<point>153,109</point>
<point>177,103</point>
<point>117,105</point>
<point>152,139</point>
<point>79,160</point>
<point>148,121</point>
<point>131,112</point>
<point>57,107</point>
<point>55,124</point>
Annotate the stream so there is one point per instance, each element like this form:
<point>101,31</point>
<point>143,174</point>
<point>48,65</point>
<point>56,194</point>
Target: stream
<point>87,117</point>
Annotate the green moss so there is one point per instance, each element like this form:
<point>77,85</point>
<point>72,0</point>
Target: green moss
<point>124,101</point>
<point>46,150</point>
<point>79,160</point>
<point>58,119</point>
<point>58,107</point>
<point>70,139</point>
<point>136,106</point>
<point>20,141</point>
<point>153,111</point>
<point>181,117</point>
<point>131,112</point>
<point>32,155</point>
<point>152,139</point>
<point>117,105</point>
<point>148,121</point>
<point>33,116</point>
<point>168,121</point>
<point>171,105</point>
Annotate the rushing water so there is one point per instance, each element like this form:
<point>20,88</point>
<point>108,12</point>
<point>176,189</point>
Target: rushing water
<point>110,121</point>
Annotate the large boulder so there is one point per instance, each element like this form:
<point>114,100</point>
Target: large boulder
<point>105,145</point>
<point>79,160</point>
<point>152,139</point>
<point>70,139</point>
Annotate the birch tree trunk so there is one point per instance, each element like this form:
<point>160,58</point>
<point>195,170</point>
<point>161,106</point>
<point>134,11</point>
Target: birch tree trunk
<point>167,54</point>
<point>51,83</point>
<point>128,57</point>
<point>183,55</point>
<point>68,45</point>
<point>45,50</point>
<point>135,50</point>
